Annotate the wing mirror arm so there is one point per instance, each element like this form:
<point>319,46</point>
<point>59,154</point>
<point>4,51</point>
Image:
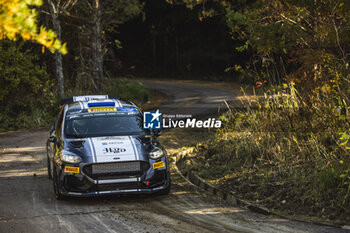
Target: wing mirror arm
<point>53,139</point>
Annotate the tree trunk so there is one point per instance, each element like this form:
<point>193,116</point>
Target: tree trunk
<point>58,55</point>
<point>97,54</point>
<point>154,52</point>
<point>177,53</point>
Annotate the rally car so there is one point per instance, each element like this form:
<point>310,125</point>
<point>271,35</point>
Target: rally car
<point>98,146</point>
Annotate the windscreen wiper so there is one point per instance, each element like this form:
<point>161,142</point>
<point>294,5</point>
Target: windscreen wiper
<point>74,136</point>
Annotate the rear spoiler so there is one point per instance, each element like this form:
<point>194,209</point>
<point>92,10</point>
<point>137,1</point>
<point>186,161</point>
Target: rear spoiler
<point>86,98</point>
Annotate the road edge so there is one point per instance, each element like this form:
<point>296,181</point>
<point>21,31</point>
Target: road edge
<point>231,198</point>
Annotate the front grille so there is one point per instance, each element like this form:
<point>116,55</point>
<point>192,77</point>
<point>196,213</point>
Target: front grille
<point>115,168</point>
<point>119,169</point>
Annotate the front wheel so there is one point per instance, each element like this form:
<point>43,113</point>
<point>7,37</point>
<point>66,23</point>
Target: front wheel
<point>56,186</point>
<point>49,168</point>
<point>49,165</point>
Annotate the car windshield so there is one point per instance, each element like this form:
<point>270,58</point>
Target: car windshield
<point>108,124</point>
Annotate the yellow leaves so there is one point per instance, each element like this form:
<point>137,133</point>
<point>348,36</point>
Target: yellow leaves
<point>44,38</point>
<point>19,19</point>
<point>295,140</point>
<point>326,88</point>
<point>26,36</point>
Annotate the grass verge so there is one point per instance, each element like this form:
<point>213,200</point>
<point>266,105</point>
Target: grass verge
<point>283,154</point>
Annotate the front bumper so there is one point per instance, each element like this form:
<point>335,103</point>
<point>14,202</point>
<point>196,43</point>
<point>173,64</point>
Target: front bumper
<point>81,184</point>
<point>115,192</point>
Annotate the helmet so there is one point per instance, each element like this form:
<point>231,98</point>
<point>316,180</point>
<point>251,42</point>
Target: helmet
<point>80,126</point>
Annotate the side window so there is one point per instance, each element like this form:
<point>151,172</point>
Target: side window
<point>58,123</point>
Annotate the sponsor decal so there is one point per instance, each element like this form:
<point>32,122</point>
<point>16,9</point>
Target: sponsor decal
<point>71,169</point>
<point>89,97</point>
<point>102,109</point>
<point>127,109</point>
<point>105,149</point>
<point>114,150</point>
<point>151,120</point>
<point>158,165</point>
<point>113,143</point>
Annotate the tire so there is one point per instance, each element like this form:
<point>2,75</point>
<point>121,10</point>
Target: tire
<point>49,168</point>
<point>48,160</point>
<point>55,181</point>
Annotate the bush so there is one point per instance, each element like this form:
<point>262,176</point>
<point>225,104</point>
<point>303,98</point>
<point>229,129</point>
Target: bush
<point>284,149</point>
<point>26,88</point>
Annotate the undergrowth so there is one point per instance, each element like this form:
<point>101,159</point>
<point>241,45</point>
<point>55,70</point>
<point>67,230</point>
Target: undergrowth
<point>286,153</point>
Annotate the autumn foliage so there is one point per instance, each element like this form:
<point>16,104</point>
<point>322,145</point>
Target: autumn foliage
<point>18,18</point>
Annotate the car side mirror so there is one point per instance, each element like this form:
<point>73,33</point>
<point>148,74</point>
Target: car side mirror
<point>53,139</point>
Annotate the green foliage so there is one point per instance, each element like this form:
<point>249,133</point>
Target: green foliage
<point>25,87</point>
<point>304,38</point>
<point>123,9</point>
<point>294,40</point>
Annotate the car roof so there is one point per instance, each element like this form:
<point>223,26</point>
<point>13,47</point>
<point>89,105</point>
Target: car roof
<point>81,104</point>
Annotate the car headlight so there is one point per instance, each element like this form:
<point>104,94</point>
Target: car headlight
<point>69,158</point>
<point>156,153</point>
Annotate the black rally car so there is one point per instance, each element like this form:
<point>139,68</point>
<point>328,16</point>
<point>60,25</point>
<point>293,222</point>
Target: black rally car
<point>98,146</point>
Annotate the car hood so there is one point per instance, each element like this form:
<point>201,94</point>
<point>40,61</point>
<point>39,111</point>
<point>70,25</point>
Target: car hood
<point>111,149</point>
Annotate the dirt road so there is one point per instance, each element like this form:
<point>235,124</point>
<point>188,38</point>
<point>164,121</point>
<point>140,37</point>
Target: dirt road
<point>27,202</point>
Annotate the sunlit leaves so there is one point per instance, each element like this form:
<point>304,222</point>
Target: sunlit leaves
<point>18,18</point>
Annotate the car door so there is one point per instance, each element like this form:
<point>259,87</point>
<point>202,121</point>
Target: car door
<point>58,146</point>
<point>53,147</point>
